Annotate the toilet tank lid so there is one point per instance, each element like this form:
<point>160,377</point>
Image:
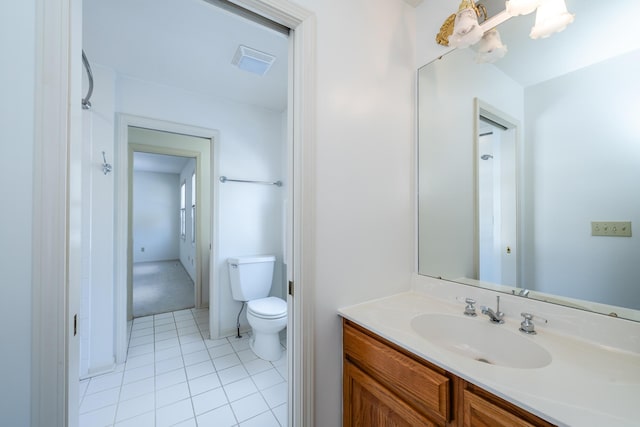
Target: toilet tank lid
<point>251,259</point>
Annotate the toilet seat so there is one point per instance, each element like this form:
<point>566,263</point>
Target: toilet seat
<point>268,308</point>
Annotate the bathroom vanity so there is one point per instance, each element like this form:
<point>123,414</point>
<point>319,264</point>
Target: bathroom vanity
<point>386,385</point>
<point>397,372</point>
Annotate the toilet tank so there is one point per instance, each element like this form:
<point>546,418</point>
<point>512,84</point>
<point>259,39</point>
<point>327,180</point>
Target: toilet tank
<point>251,277</point>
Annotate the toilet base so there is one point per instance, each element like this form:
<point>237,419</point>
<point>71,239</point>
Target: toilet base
<point>266,346</point>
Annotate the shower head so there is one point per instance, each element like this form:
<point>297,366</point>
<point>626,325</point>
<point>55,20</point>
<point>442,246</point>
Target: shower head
<point>486,157</point>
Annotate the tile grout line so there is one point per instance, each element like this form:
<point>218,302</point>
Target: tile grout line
<point>124,370</point>
<point>155,376</point>
<point>217,375</point>
<point>184,365</point>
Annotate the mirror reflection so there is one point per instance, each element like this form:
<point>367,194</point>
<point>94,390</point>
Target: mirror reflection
<point>571,102</point>
<point>496,204</point>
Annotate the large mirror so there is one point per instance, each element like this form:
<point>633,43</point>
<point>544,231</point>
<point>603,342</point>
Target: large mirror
<point>523,162</point>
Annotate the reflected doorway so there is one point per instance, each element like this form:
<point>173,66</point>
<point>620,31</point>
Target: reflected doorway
<point>496,158</point>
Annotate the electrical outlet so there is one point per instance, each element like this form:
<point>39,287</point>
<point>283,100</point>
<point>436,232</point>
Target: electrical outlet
<point>611,228</point>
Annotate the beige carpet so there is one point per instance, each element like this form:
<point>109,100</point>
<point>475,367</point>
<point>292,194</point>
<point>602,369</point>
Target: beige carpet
<point>161,286</point>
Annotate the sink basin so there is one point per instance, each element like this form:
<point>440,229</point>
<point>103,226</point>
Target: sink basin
<point>481,340</point>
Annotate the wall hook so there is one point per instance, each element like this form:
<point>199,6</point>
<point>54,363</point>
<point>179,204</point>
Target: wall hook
<point>106,167</point>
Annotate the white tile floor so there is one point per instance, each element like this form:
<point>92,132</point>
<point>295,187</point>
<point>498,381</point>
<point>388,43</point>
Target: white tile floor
<point>175,377</point>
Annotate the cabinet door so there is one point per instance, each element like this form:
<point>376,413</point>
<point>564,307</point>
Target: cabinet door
<point>479,412</point>
<point>368,404</point>
<point>426,389</point>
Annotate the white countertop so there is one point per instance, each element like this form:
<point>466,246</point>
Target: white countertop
<point>586,384</point>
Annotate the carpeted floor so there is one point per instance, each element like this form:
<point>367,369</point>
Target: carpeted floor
<point>161,286</point>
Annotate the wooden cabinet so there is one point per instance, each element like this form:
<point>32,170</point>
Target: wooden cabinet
<point>372,404</point>
<point>483,409</point>
<point>387,386</point>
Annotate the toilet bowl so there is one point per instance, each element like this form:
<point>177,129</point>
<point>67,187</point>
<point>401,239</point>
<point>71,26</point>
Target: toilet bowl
<point>251,279</point>
<point>267,317</point>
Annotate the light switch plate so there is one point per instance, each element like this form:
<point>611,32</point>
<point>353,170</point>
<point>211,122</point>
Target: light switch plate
<point>611,228</point>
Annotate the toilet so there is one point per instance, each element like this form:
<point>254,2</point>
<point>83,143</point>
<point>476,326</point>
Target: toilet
<point>250,279</point>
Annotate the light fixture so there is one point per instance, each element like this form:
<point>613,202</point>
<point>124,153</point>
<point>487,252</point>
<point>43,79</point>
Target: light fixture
<point>551,17</point>
<point>521,7</point>
<point>253,60</point>
<point>490,47</point>
<point>462,28</point>
<point>466,29</point>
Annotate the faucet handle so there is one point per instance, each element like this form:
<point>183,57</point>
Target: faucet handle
<point>470,309</point>
<point>527,325</point>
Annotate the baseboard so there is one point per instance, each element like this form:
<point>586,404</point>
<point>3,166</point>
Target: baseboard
<point>100,371</point>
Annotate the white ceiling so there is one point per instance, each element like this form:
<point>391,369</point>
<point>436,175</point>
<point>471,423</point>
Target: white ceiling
<point>188,44</point>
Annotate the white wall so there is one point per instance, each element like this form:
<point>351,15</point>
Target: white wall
<point>17,110</point>
<point>187,247</point>
<point>574,186</point>
<point>156,216</point>
<point>364,161</point>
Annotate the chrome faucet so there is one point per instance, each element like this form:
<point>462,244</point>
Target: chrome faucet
<point>524,292</point>
<point>470,309</point>
<point>527,325</point>
<point>494,316</point>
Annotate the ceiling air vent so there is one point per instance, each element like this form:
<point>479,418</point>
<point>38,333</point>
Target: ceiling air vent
<point>253,60</point>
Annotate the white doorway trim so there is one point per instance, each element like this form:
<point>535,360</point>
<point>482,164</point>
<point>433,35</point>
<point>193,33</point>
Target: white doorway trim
<point>301,135</point>
<point>57,229</point>
<point>55,263</point>
<point>301,170</point>
<point>122,243</point>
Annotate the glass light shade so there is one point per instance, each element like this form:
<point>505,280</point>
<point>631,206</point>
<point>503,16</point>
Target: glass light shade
<point>490,48</point>
<point>521,7</point>
<point>466,30</point>
<point>551,17</point>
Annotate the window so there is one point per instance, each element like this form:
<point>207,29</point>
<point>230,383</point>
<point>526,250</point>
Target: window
<point>193,207</point>
<point>183,206</point>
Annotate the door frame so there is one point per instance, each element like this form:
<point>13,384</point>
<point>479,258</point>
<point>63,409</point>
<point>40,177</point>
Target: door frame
<point>56,214</point>
<point>123,258</point>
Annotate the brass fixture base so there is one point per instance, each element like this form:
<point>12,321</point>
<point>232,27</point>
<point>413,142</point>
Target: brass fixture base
<point>442,38</point>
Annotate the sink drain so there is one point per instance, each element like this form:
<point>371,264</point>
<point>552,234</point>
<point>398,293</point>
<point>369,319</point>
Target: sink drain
<point>483,360</point>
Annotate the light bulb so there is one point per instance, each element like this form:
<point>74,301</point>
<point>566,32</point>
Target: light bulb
<point>490,48</point>
<point>521,7</point>
<point>551,17</point>
<point>466,30</point>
